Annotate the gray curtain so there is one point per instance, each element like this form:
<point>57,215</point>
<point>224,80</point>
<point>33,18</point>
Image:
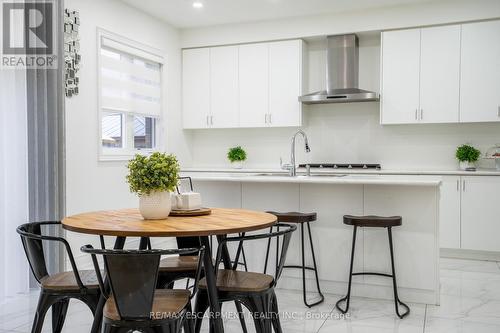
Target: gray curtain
<point>45,117</point>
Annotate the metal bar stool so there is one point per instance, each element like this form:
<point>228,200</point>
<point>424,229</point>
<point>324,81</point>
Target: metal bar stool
<point>182,186</point>
<point>299,218</point>
<point>373,222</point>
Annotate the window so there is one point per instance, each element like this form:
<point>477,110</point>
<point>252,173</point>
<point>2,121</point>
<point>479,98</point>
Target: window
<point>130,97</point>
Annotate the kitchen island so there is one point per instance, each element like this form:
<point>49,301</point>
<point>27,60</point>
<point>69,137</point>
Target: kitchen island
<point>416,242</point>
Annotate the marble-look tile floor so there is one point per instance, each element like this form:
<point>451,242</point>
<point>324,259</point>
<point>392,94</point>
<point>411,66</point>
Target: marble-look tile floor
<point>470,302</point>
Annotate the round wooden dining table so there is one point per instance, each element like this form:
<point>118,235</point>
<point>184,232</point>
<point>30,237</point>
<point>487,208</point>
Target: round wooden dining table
<point>125,223</point>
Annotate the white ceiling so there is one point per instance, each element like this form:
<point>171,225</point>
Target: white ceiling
<point>181,14</point>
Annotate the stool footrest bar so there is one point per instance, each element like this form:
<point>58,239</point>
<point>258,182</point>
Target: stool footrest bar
<point>299,267</point>
<point>372,273</point>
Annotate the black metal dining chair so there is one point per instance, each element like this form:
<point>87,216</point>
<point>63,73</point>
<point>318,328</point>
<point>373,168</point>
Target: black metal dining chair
<point>181,267</point>
<point>56,289</point>
<point>254,290</point>
<point>134,302</point>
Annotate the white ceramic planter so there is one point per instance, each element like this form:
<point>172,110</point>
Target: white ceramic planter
<point>155,206</point>
<point>237,164</point>
<point>465,164</point>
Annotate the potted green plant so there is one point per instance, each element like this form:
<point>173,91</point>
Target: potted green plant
<point>236,156</point>
<point>153,178</point>
<point>467,156</point>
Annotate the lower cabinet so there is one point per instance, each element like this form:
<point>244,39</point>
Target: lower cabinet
<point>449,212</point>
<point>469,214</point>
<point>480,213</point>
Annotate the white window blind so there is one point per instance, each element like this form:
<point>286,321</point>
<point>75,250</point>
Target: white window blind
<point>130,79</point>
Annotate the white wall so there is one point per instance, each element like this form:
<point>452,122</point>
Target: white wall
<point>347,132</point>
<point>90,184</point>
<point>402,16</point>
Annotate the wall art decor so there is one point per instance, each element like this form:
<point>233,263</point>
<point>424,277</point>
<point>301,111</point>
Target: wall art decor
<point>72,55</point>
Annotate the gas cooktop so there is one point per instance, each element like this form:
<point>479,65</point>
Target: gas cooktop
<point>342,166</point>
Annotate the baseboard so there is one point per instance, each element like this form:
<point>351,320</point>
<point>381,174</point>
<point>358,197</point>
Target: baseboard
<point>368,290</point>
<point>469,254</point>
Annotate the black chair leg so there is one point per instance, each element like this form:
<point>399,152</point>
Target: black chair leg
<point>44,303</point>
<point>59,310</point>
<point>97,323</point>
<point>241,316</point>
<point>260,306</point>
<point>275,314</point>
<point>315,268</point>
<point>201,306</point>
<point>188,321</point>
<point>106,328</point>
<point>347,298</point>
<point>394,285</point>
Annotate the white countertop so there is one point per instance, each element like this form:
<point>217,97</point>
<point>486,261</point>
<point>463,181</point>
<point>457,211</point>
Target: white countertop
<point>479,172</point>
<point>356,179</point>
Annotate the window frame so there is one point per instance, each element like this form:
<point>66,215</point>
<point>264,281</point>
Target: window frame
<point>128,151</point>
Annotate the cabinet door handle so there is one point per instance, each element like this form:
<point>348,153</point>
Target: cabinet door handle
<point>207,120</point>
<point>498,111</point>
<point>416,114</point>
<point>270,118</point>
<point>463,185</point>
<point>265,118</point>
<point>211,120</point>
<point>421,114</point>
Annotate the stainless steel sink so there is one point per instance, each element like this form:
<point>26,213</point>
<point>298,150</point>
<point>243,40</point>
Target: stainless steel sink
<point>269,174</point>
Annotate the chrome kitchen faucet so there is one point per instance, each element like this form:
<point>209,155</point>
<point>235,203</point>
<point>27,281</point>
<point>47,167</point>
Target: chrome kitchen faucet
<point>291,167</point>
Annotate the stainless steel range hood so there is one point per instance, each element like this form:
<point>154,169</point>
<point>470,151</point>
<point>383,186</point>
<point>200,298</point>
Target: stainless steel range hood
<point>341,74</point>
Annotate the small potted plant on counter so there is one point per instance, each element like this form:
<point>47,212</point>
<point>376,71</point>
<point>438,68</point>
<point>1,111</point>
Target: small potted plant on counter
<point>236,156</point>
<point>467,156</point>
<point>153,178</point>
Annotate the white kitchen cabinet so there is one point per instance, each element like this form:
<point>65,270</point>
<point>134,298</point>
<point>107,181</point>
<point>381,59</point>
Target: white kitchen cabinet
<point>196,88</point>
<point>285,83</point>
<point>400,76</point>
<point>420,75</point>
<point>480,72</point>
<point>480,218</point>
<point>224,103</point>
<point>449,212</point>
<point>440,74</point>
<point>254,85</point>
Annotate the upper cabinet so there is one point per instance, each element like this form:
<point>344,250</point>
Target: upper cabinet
<point>285,83</point>
<point>480,72</point>
<point>439,74</point>
<point>224,87</point>
<point>253,85</point>
<point>196,88</point>
<point>420,75</point>
<point>210,87</point>
<point>445,74</point>
<point>400,76</point>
